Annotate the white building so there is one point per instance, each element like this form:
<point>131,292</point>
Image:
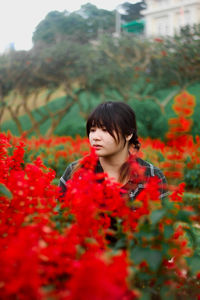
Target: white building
<point>166,17</point>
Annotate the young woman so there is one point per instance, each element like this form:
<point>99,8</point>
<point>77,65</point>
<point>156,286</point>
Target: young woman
<point>112,132</point>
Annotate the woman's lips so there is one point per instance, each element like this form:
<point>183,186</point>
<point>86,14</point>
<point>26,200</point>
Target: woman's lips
<point>97,146</point>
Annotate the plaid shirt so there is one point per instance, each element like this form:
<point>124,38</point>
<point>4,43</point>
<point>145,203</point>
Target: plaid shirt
<point>132,189</point>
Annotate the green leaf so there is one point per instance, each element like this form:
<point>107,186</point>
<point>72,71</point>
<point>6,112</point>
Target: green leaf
<point>154,259</point>
<point>192,236</point>
<point>145,296</point>
<point>151,256</point>
<point>144,277</point>
<point>121,243</point>
<point>168,205</point>
<point>138,254</point>
<point>156,215</point>
<point>184,215</point>
<point>166,293</point>
<point>149,235</point>
<point>168,231</point>
<point>194,263</point>
<point>4,191</point>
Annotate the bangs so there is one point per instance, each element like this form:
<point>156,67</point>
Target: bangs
<point>103,118</point>
<point>117,118</point>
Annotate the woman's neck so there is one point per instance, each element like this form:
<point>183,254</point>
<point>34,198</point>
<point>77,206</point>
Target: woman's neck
<point>112,165</point>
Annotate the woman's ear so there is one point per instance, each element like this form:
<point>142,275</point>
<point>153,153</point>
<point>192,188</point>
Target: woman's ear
<point>128,137</point>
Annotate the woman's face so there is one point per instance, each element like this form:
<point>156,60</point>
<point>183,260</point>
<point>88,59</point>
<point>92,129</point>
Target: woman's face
<point>103,143</point>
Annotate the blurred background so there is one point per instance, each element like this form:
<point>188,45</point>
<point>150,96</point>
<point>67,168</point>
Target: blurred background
<point>60,59</point>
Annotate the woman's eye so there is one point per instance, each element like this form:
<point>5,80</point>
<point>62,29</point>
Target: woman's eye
<point>92,129</point>
<point>104,128</point>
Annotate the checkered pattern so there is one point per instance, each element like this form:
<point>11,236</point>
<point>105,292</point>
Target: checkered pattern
<point>150,171</point>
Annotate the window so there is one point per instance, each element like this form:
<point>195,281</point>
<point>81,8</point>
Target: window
<point>187,17</point>
<point>162,26</point>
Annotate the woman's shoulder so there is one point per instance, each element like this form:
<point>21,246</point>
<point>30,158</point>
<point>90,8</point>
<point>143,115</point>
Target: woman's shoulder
<point>68,171</point>
<point>151,170</point>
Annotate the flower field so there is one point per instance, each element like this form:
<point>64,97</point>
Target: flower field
<point>94,244</point>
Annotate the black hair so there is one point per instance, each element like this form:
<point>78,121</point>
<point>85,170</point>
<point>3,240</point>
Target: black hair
<point>116,117</point>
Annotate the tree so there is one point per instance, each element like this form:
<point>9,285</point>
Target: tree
<point>78,69</point>
<point>133,11</point>
<point>80,26</point>
<point>98,20</point>
<point>6,84</point>
<point>175,60</point>
<point>61,25</point>
<point>63,65</point>
<point>16,77</point>
<point>125,68</point>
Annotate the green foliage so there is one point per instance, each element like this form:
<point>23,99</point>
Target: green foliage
<point>156,216</point>
<point>191,198</point>
<point>4,191</point>
<point>194,263</point>
<point>192,177</point>
<point>25,120</point>
<point>176,59</point>
<point>141,72</point>
<point>133,11</point>
<point>152,246</point>
<point>150,120</point>
<point>194,89</point>
<point>6,84</point>
<point>98,20</point>
<point>71,124</point>
<point>80,26</point>
<point>11,126</point>
<point>59,24</point>
<point>151,256</point>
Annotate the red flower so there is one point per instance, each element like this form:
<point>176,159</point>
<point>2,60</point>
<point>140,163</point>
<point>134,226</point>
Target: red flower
<point>98,279</point>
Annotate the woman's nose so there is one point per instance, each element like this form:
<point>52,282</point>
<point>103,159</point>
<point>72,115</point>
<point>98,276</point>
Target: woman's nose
<point>96,135</point>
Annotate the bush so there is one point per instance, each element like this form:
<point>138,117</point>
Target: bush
<point>150,120</point>
<point>192,177</point>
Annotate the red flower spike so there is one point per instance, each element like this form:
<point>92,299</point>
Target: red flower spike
<point>59,245</point>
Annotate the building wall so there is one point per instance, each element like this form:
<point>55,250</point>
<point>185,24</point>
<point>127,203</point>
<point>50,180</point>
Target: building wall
<point>166,17</point>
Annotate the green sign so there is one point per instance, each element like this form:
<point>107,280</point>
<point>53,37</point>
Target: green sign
<point>136,26</point>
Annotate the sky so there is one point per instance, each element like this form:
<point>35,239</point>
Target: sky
<point>19,18</point>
